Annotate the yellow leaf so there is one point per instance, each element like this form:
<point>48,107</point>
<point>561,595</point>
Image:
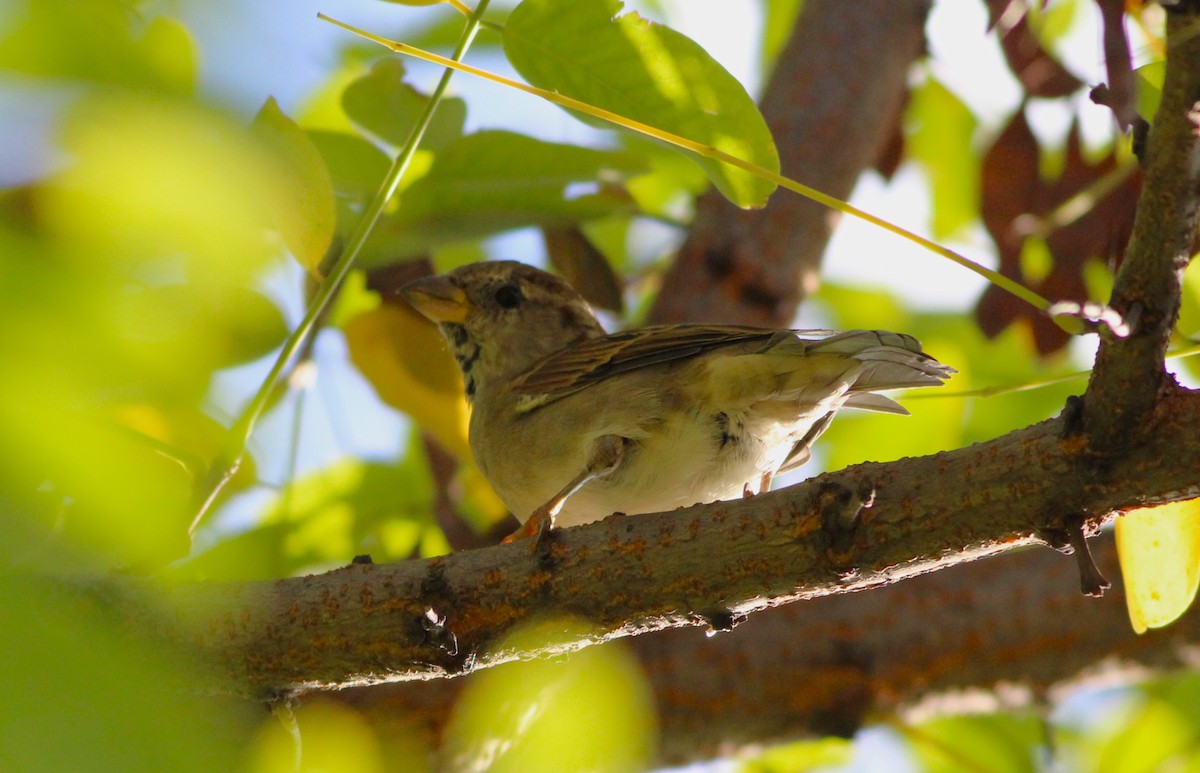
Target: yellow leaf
<point>404,358</point>
<point>1159,550</point>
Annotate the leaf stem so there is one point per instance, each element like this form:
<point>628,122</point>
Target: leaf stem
<point>230,457</point>
<point>996,278</point>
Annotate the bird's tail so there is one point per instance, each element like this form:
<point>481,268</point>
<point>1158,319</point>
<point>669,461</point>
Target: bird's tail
<point>890,361</point>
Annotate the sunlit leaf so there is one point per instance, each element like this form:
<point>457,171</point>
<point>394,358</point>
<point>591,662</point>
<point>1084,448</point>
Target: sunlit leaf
<point>777,27</point>
<point>590,710</point>
<point>151,178</point>
<point>819,755</point>
<point>330,737</point>
<point>323,520</point>
<point>996,743</point>
<point>220,326</point>
<point>938,134</point>
<point>647,72</point>
<point>1159,549</point>
<point>100,42</point>
<point>1156,739</point>
<point>169,49</point>
<point>383,104</point>
<point>303,211</point>
<point>670,187</point>
<point>1148,81</point>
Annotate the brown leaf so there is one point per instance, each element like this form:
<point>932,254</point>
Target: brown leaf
<point>1040,74</point>
<point>584,266</point>
<point>1015,199</point>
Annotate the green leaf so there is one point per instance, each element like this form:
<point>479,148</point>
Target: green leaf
<point>168,49</point>
<point>325,519</point>
<point>817,754</point>
<point>356,166</point>
<point>646,72</point>
<point>303,209</point>
<point>588,710</point>
<point>383,104</point>
<point>997,743</point>
<point>1148,82</point>
<point>494,181</point>
<point>1157,738</point>
<point>218,327</point>
<point>939,128</point>
<point>777,28</point>
<point>87,690</point>
<point>97,42</point>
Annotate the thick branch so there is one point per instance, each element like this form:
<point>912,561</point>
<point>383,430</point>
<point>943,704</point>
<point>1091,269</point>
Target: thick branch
<point>822,666</point>
<point>831,104</point>
<point>706,565</point>
<point>1129,373</point>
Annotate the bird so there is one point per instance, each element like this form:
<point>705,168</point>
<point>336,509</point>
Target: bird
<point>570,424</point>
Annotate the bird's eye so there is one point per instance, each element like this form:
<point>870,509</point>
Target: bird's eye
<point>509,296</point>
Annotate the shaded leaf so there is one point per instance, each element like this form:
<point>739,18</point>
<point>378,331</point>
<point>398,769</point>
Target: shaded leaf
<point>495,181</point>
<point>383,104</point>
<point>583,266</point>
<point>356,167</point>
<point>647,72</point>
<point>324,519</point>
<point>88,691</point>
<point>303,210</point>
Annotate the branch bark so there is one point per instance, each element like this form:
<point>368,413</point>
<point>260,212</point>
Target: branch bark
<point>1129,377</point>
<point>822,666</point>
<point>708,565</point>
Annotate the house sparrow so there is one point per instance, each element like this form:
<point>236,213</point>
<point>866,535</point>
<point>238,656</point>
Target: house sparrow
<point>570,424</point>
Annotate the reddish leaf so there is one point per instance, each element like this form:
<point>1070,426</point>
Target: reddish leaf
<point>1015,196</point>
<point>1040,74</point>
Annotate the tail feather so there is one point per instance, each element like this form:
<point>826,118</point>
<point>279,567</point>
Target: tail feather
<point>869,401</point>
<point>890,361</point>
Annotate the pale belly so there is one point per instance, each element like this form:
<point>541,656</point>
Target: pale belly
<point>694,463</point>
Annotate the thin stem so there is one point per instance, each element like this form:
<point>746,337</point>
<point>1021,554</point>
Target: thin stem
<point>1003,282</point>
<point>227,462</point>
<point>1004,389</point>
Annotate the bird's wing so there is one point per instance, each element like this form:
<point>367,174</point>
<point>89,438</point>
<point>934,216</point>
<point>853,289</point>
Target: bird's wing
<point>580,365</point>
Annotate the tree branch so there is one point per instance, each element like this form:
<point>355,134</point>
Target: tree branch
<point>1129,377</point>
<point>705,565</point>
<point>822,666</point>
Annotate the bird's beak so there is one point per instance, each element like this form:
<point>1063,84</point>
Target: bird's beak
<point>438,298</point>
